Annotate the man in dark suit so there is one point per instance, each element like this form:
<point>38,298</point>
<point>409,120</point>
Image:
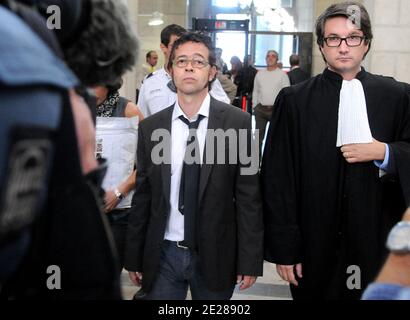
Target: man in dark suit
<point>296,74</point>
<point>195,223</point>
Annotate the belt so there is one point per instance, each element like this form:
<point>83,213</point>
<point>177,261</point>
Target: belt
<point>180,244</point>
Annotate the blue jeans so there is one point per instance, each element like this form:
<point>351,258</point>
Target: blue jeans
<point>179,268</point>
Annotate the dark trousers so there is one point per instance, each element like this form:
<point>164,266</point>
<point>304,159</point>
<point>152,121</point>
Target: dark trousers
<point>180,268</point>
<point>118,220</point>
<point>262,117</point>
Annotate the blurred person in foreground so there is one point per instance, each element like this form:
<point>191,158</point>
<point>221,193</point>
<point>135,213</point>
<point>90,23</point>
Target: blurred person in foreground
<point>71,234</point>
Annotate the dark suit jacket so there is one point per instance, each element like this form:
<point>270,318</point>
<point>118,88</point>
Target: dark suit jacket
<point>297,75</point>
<point>229,222</point>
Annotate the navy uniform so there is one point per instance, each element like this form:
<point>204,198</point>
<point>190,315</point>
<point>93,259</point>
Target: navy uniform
<point>30,111</point>
<point>49,214</point>
<point>158,92</point>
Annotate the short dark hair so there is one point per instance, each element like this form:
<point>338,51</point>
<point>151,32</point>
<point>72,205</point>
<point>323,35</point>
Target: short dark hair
<point>294,60</point>
<point>168,31</point>
<point>196,38</point>
<point>148,55</point>
<point>347,10</point>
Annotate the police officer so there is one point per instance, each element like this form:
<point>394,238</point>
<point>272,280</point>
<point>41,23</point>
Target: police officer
<point>158,91</point>
<point>30,113</point>
<point>70,234</point>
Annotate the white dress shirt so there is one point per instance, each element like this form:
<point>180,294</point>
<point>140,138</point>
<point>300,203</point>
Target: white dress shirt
<point>179,137</point>
<point>155,95</point>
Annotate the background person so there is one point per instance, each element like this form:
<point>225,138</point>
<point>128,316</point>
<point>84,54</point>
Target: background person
<point>296,74</point>
<point>119,182</point>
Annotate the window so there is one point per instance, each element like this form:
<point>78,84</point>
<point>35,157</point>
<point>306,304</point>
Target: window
<point>284,44</point>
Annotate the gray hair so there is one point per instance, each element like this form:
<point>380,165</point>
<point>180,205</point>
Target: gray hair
<point>274,52</point>
<point>107,48</point>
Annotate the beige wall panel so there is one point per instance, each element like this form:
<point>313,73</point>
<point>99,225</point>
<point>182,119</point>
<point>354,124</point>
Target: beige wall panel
<point>386,12</point>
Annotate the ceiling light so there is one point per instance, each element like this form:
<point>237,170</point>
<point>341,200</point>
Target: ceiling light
<point>156,19</point>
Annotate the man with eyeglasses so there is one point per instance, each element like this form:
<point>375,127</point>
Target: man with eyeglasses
<point>336,167</point>
<point>158,91</point>
<point>195,222</point>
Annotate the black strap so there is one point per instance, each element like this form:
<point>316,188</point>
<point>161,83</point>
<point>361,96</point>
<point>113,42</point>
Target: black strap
<point>171,86</point>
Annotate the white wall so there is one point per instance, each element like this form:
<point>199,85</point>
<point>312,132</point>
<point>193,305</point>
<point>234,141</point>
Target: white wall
<point>130,78</point>
<point>389,55</point>
<point>390,52</point>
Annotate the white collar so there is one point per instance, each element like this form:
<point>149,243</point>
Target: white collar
<point>203,110</point>
<point>164,73</point>
<point>353,122</point>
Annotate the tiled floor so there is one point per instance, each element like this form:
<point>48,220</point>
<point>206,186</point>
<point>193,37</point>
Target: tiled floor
<point>268,287</point>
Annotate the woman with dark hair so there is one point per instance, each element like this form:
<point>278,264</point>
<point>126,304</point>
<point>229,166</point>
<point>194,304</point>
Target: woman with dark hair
<point>118,133</point>
<point>236,67</point>
<point>236,74</point>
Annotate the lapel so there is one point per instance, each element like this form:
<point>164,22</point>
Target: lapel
<point>215,122</point>
<point>166,124</point>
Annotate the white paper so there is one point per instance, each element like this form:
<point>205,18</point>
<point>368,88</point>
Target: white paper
<point>116,141</point>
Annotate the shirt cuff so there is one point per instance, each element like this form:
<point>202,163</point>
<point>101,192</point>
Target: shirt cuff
<point>383,165</point>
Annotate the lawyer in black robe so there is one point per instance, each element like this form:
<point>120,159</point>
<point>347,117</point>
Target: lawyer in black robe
<point>320,210</point>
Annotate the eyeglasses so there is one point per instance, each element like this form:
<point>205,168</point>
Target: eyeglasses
<point>198,63</point>
<point>352,41</point>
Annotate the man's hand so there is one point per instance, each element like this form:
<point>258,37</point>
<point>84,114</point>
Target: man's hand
<point>246,281</point>
<point>136,278</point>
<point>110,200</point>
<point>287,273</point>
<point>364,152</point>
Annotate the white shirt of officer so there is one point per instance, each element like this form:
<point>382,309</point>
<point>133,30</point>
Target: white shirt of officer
<point>155,95</point>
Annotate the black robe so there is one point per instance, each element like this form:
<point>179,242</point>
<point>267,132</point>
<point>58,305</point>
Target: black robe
<point>319,210</point>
